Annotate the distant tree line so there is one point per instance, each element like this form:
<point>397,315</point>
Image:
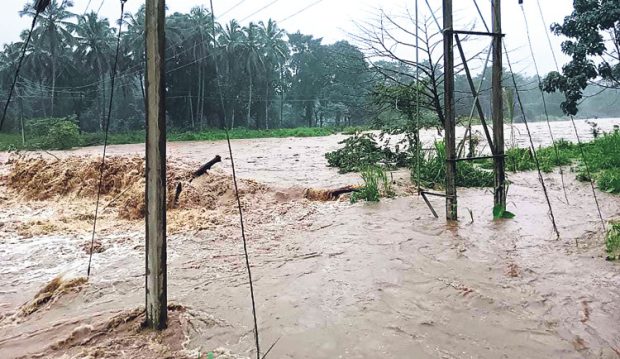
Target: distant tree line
<point>255,76</point>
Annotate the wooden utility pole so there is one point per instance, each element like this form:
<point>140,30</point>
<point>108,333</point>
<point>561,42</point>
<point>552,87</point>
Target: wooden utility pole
<point>498,107</point>
<point>156,276</point>
<point>450,125</point>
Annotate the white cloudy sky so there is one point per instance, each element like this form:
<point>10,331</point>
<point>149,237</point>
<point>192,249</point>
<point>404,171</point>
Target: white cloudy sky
<point>336,19</point>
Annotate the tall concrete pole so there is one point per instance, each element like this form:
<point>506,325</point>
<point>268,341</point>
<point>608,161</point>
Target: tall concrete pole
<point>156,271</point>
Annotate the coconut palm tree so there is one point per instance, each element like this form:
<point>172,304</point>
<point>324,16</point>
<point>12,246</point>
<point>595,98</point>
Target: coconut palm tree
<point>94,39</point>
<point>275,53</point>
<point>254,60</point>
<point>53,35</point>
<point>229,51</point>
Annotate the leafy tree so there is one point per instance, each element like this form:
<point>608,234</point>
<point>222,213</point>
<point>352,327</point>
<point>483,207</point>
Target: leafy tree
<point>593,30</point>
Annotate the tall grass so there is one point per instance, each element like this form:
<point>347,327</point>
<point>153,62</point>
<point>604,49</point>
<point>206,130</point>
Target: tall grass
<point>376,185</point>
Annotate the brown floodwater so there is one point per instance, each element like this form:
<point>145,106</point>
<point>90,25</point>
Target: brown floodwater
<point>332,279</point>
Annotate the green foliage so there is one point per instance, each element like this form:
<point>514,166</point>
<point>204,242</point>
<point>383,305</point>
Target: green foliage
<point>522,159</point>
<point>361,151</point>
<point>376,185</point>
<point>91,139</point>
<point>612,242</point>
<point>500,212</point>
<point>433,171</point>
<point>602,156</point>
<point>609,180</point>
<point>62,135</point>
<point>40,127</point>
<point>586,29</point>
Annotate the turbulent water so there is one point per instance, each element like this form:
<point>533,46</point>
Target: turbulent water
<point>332,280</point>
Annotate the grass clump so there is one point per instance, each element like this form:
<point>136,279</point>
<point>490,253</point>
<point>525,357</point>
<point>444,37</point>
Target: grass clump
<point>376,185</point>
<point>612,242</point>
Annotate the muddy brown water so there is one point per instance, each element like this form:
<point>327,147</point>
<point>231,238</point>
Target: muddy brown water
<point>332,280</point>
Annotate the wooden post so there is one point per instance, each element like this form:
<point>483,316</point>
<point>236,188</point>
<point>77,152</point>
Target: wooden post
<point>156,276</point>
<point>498,107</point>
<point>450,125</point>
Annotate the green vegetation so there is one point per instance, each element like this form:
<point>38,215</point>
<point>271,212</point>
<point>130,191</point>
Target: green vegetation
<point>602,156</point>
<point>361,151</point>
<point>64,134</point>
<point>500,212</point>
<point>587,30</point>
<point>376,185</point>
<point>612,242</point>
<point>433,171</point>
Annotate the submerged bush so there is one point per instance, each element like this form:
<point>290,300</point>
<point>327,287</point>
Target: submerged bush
<point>433,171</point>
<point>361,151</point>
<point>62,135</point>
<point>612,243</point>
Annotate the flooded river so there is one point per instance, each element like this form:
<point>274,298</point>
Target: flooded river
<point>332,279</point>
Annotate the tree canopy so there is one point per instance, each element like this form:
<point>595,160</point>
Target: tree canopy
<point>593,30</point>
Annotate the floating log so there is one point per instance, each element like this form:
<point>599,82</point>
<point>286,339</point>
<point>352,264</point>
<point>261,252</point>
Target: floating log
<point>199,172</point>
<point>207,166</point>
<point>328,194</point>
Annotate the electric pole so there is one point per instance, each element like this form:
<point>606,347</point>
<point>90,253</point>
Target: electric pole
<point>156,271</point>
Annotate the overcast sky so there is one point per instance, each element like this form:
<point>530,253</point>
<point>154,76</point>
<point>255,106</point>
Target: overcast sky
<point>336,19</point>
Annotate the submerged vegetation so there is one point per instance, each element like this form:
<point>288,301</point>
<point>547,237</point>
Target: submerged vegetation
<point>602,156</point>
<point>376,185</point>
<point>363,150</point>
<point>612,242</point>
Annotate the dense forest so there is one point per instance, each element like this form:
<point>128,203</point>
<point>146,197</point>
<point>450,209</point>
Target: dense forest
<point>254,76</point>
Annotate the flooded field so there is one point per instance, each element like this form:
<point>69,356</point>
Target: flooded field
<point>332,279</point>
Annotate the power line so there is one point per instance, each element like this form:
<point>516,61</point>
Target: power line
<point>532,147</point>
<point>300,11</point>
<point>39,7</point>
<point>572,118</point>
<point>234,174</point>
<point>87,6</point>
<point>232,8</point>
<point>259,10</point>
<point>544,102</point>
<point>105,139</point>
